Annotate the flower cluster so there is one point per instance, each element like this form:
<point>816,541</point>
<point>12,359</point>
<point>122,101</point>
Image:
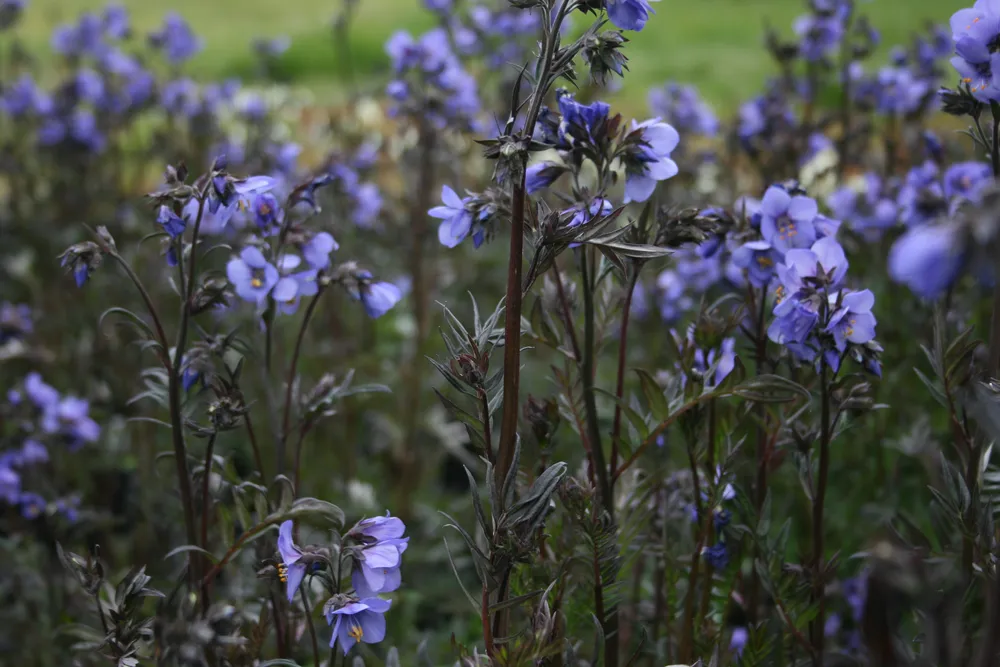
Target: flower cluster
<point>376,546</point>
<point>41,418</point>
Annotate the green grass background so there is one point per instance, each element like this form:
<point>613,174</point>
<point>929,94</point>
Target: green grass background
<point>715,44</point>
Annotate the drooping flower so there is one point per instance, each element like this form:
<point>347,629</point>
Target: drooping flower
<point>649,162</point>
<point>290,571</point>
<point>581,123</point>
<point>172,223</point>
<point>361,621</point>
<point>251,275</point>
<point>456,219</point>
<point>540,176</point>
<point>317,250</point>
<point>629,14</point>
<point>378,298</point>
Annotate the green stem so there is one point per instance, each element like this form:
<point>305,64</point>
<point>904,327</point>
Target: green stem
<point>818,574</point>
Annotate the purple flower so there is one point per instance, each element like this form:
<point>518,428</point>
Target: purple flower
<point>819,35</point>
<point>794,321</point>
<point>293,286</point>
<point>672,297</point>
<point>266,211</point>
<point>317,251</point>
<point>176,39</point>
<point>786,221</point>
<point>541,175</point>
<point>826,256</point>
<point>928,258</point>
<point>172,223</point>
<point>32,505</point>
<point>966,180</point>
<point>651,162</point>
<point>629,14</point>
<point>868,212</point>
<point>290,571</point>
<point>379,556</point>
<point>378,298</point>
<point>716,556</point>
<point>361,621</point>
<point>853,322</point>
<point>38,392</point>
<point>739,639</point>
<point>758,259</point>
<point>251,275</point>
<point>10,483</point>
<point>580,122</point>
<point>582,212</point>
<point>975,31</point>
<point>456,218</point>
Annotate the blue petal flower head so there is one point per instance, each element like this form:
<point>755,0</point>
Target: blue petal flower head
<point>290,571</point>
<point>787,222</point>
<point>580,122</point>
<point>928,258</point>
<point>716,556</point>
<point>374,572</point>
<point>651,163</point>
<point>921,197</point>
<point>116,22</point>
<point>71,419</point>
<point>738,640</point>
<point>819,35</point>
<point>966,180</point>
<point>900,91</point>
<point>32,505</point>
<point>172,223</point>
<point>582,212</point>
<point>176,39</point>
<point>794,321</point>
<point>361,621</point>
<point>540,176</point>
<point>629,14</point>
<point>825,255</point>
<point>456,219</point>
<point>672,296</point>
<point>378,528</point>
<point>378,298</point>
<point>293,285</point>
<point>251,275</point>
<point>758,259</point>
<point>266,211</point>
<point>20,97</point>
<point>43,395</point>
<point>853,322</point>
<point>317,251</point>
<point>869,212</point>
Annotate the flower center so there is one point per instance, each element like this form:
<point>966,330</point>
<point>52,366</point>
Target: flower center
<point>356,633</point>
<point>257,279</point>
<point>764,261</point>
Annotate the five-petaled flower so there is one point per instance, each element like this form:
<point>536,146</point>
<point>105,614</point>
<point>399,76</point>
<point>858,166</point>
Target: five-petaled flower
<point>649,161</point>
<point>456,219</point>
<point>787,221</point>
<point>252,275</point>
<point>629,14</point>
<point>360,621</point>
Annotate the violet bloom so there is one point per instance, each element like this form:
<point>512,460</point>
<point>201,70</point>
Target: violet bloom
<point>251,275</point>
<point>32,505</point>
<point>825,255</point>
<point>317,250</point>
<point>582,213</point>
<point>178,41</point>
<point>869,212</point>
<point>787,222</point>
<point>739,639</point>
<point>716,556</point>
<point>921,197</point>
<point>266,211</point>
<point>377,568</point>
<point>966,180</point>
<point>378,298</point>
<point>672,296</point>
<point>361,621</point>
<point>580,122</point>
<point>758,259</point>
<point>651,162</point>
<point>172,223</point>
<point>682,107</point>
<point>293,286</point>
<point>367,204</point>
<point>456,219</point>
<point>975,31</point>
<point>793,323</point>
<point>819,35</point>
<point>853,322</point>
<point>10,483</point>
<point>724,360</point>
<point>290,571</point>
<point>928,258</point>
<point>629,14</point>
<point>38,392</point>
<point>540,176</point>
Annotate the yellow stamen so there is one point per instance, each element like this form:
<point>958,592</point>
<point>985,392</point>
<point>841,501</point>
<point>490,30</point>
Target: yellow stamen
<point>282,573</point>
<point>764,260</point>
<point>256,282</point>
<point>356,633</point>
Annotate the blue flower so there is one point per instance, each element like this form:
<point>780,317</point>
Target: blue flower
<point>682,107</point>
<point>758,259</point>
<point>10,483</point>
<point>825,259</point>
<point>966,180</point>
<point>629,14</point>
<point>786,221</point>
<point>716,556</point>
<point>582,212</point>
<point>266,211</point>
<point>171,222</point>
<point>541,175</point>
<point>293,286</point>
<point>928,258</point>
<point>738,640</point>
<point>317,250</point>
<point>651,162</point>
<point>290,571</point>
<point>251,275</point>
<point>32,505</point>
<point>580,122</point>
<point>794,321</point>
<point>853,322</point>
<point>378,298</point>
<point>380,555</point>
<point>361,621</point>
<point>868,212</point>
<point>367,204</point>
<point>975,31</point>
<point>456,218</point>
<point>178,41</point>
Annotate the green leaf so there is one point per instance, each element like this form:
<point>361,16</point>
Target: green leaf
<point>308,508</point>
<point>770,389</point>
<point>186,548</point>
<point>659,407</point>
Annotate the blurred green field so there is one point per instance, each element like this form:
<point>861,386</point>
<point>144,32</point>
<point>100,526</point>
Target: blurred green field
<point>715,44</point>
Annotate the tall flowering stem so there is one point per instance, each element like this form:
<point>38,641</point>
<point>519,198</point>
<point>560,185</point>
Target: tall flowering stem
<point>819,499</point>
<point>174,389</point>
<point>616,428</point>
<point>290,381</point>
<point>994,348</point>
